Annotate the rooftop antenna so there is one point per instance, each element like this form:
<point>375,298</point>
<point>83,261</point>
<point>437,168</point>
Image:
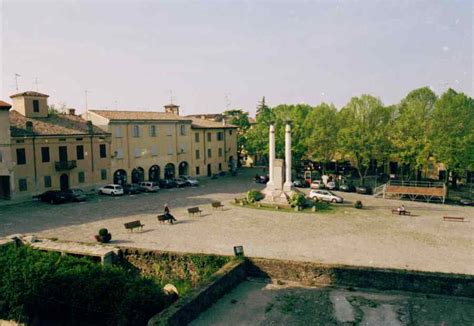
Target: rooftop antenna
<point>87,107</point>
<point>16,80</point>
<point>171,96</point>
<point>37,83</point>
<point>227,101</point>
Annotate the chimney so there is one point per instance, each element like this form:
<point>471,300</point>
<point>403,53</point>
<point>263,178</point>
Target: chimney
<point>29,126</point>
<point>71,111</point>
<point>172,108</point>
<point>224,122</point>
<point>90,128</point>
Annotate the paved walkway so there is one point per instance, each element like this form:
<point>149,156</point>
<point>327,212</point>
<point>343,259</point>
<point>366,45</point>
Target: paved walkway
<point>369,237</point>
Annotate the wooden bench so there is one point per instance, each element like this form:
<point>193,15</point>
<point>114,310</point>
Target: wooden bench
<point>396,211</point>
<point>217,204</point>
<point>134,225</point>
<point>194,210</point>
<point>162,218</point>
<point>453,218</point>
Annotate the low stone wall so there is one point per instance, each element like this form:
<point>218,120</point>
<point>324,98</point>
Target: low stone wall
<point>189,307</point>
<point>311,274</point>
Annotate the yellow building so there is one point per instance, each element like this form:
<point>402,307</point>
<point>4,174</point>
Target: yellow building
<point>162,145</point>
<point>43,151</point>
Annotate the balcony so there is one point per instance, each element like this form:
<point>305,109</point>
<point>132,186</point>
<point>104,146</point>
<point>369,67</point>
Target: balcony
<point>65,165</point>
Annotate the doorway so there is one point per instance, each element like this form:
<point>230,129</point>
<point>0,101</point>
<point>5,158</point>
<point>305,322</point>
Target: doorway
<point>209,170</point>
<point>64,181</point>
<point>5,187</point>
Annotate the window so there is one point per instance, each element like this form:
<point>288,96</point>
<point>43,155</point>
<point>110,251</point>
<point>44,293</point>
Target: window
<point>1,156</point>
<point>36,106</point>
<point>45,154</point>
<point>182,130</point>
<point>196,137</point>
<point>79,139</point>
<point>47,181</point>
<point>197,170</point>
<point>220,152</point>
<point>169,131</point>
<point>80,152</point>
<point>220,166</point>
<point>154,150</point>
<point>198,154</point>
<point>220,135</point>
<point>81,177</point>
<point>209,136</point>
<point>152,131</point>
<point>137,152</point>
<point>118,132</point>
<point>118,153</point>
<point>170,149</point>
<point>20,156</point>
<point>136,131</point>
<point>103,150</point>
<point>103,174</point>
<point>22,184</point>
<point>230,132</point>
<point>209,152</point>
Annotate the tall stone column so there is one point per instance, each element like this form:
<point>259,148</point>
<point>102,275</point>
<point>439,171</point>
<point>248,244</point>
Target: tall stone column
<point>287,186</point>
<point>271,155</point>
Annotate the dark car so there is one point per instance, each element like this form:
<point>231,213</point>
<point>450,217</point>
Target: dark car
<point>132,188</point>
<point>261,179</point>
<point>363,189</point>
<point>167,183</point>
<point>466,202</point>
<point>55,197</point>
<point>300,183</point>
<point>181,182</point>
<point>76,195</point>
<point>347,187</point>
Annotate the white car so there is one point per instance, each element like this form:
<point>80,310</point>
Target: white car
<point>190,181</point>
<point>113,190</point>
<point>317,184</point>
<point>325,195</point>
<point>149,186</point>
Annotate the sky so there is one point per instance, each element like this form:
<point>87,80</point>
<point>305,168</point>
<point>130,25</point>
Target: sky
<point>213,55</point>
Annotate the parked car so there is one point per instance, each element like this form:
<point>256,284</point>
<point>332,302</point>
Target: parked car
<point>190,181</point>
<point>55,197</point>
<point>149,186</point>
<point>261,179</point>
<point>466,202</point>
<point>365,190</point>
<point>131,189</point>
<point>347,187</point>
<point>325,195</point>
<point>300,183</point>
<point>167,183</point>
<point>180,182</point>
<point>317,184</point>
<point>111,189</point>
<point>332,185</point>
<point>76,195</point>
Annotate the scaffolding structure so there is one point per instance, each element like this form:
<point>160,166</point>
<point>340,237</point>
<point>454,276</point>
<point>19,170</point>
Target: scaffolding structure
<point>414,190</point>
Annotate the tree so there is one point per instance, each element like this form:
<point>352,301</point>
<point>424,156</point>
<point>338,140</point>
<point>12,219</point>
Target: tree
<point>257,135</point>
<point>321,127</point>
<point>411,129</point>
<point>363,135</point>
<point>240,119</point>
<point>262,107</point>
<point>54,109</point>
<point>452,133</point>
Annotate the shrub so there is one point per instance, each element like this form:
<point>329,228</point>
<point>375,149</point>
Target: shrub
<point>254,196</point>
<point>297,199</point>
<point>358,204</point>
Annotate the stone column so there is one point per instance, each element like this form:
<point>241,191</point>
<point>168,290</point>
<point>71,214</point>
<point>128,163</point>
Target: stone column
<point>287,186</point>
<point>271,155</point>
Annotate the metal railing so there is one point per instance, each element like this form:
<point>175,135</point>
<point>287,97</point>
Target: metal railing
<point>65,165</point>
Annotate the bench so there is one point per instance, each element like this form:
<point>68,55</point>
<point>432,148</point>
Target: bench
<point>134,225</point>
<point>217,204</point>
<point>453,219</point>
<point>194,210</point>
<point>162,218</point>
<point>396,211</point>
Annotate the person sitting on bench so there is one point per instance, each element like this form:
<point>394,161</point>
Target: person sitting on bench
<point>401,210</point>
<point>168,215</point>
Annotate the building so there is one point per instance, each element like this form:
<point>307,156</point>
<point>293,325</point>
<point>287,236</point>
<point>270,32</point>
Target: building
<point>148,145</point>
<point>42,151</point>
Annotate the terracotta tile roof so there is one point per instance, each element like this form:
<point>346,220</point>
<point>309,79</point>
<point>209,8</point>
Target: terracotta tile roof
<point>29,93</point>
<point>208,116</point>
<point>61,124</point>
<point>4,105</point>
<point>203,123</point>
<point>139,115</point>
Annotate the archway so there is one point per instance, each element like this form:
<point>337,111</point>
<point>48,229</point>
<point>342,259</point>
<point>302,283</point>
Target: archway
<point>138,175</point>
<point>169,171</point>
<point>64,182</point>
<point>209,170</point>
<point>120,177</point>
<point>183,168</point>
<point>154,173</point>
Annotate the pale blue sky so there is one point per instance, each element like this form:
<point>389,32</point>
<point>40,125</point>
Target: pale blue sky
<point>128,54</point>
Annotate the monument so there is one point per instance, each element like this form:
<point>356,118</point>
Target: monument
<point>279,187</point>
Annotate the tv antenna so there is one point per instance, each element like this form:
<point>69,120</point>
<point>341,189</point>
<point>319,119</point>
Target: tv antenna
<point>227,101</point>
<point>87,106</point>
<point>16,80</point>
<point>37,83</point>
<point>171,95</point>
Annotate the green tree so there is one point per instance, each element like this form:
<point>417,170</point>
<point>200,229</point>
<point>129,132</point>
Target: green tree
<point>240,119</point>
<point>452,133</point>
<point>410,133</point>
<point>257,136</point>
<point>55,109</point>
<point>320,128</point>
<point>364,132</point>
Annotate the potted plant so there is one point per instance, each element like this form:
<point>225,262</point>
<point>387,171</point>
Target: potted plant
<point>104,236</point>
<point>358,204</point>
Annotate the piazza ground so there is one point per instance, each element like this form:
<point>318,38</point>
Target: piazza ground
<point>368,237</point>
